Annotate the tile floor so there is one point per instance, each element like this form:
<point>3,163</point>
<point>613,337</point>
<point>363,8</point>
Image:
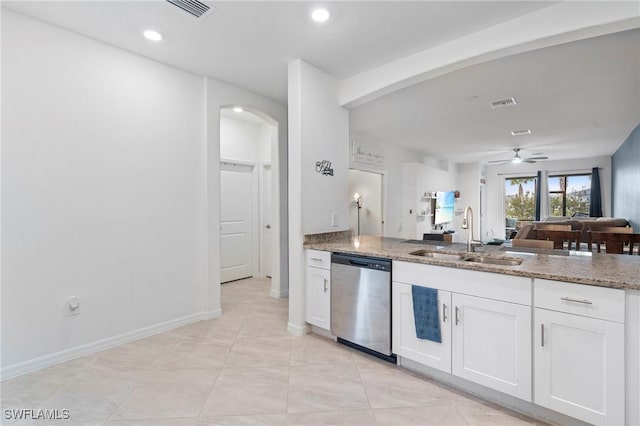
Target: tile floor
<point>242,369</point>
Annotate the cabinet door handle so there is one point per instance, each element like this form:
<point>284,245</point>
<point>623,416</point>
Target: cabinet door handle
<point>444,312</point>
<point>316,259</point>
<point>542,334</point>
<point>325,285</point>
<point>457,316</point>
<point>585,301</point>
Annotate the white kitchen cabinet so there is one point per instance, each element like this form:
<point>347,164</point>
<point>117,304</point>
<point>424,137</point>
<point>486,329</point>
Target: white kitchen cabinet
<point>492,344</point>
<point>484,340</point>
<point>406,344</point>
<point>579,359</point>
<point>318,289</point>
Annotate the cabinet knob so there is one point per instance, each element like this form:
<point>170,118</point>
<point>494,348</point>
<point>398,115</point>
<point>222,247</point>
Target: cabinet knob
<point>325,285</point>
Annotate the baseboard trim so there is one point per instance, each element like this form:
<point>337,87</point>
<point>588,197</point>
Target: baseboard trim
<point>297,330</point>
<point>279,294</point>
<point>100,345</point>
<point>212,314</point>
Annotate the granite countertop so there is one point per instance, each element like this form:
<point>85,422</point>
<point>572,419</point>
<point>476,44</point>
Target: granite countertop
<point>605,270</point>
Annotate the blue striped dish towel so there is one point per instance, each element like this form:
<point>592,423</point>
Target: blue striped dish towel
<point>425,313</point>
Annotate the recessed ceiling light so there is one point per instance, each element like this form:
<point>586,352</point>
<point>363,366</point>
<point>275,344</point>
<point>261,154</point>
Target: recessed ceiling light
<point>152,35</point>
<point>521,132</point>
<point>320,15</point>
<point>238,109</point>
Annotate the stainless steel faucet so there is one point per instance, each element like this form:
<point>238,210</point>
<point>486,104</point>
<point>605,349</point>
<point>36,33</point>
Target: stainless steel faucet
<point>466,220</point>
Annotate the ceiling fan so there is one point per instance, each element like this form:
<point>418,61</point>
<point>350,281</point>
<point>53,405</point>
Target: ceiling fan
<point>517,159</point>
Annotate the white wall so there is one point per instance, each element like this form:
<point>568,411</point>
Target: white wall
<point>103,191</point>
<point>318,130</point>
<point>468,183</point>
<point>369,186</point>
<point>241,140</point>
<point>110,192</point>
<point>495,185</point>
<point>419,178</point>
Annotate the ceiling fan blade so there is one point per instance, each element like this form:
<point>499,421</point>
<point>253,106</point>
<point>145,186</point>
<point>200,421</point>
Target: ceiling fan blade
<point>538,158</point>
<point>528,160</point>
<point>499,161</point>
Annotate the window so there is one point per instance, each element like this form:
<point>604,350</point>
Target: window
<point>519,201</point>
<point>569,194</point>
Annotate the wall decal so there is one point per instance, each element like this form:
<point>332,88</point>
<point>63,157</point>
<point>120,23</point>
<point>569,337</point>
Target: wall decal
<point>324,168</point>
<point>368,154</point>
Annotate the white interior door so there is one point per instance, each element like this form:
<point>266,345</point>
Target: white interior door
<point>267,220</point>
<point>236,233</point>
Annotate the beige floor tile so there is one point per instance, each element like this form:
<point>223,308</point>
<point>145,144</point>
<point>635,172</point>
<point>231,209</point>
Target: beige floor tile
<point>251,352</point>
<point>155,345</point>
<point>188,421</point>
<point>247,391</point>
<point>91,401</point>
<point>197,377</point>
<point>256,419</point>
<point>325,388</point>
<point>438,415</point>
<point>162,401</point>
<point>125,357</point>
<point>352,417</point>
<point>199,357</point>
<point>388,388</point>
<point>319,350</point>
<point>31,389</point>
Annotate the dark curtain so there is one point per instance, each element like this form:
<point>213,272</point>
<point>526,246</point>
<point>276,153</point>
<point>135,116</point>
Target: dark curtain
<point>595,209</point>
<point>538,194</point>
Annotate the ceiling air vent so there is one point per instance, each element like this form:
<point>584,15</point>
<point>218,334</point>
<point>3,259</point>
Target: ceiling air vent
<point>193,7</point>
<point>503,103</point>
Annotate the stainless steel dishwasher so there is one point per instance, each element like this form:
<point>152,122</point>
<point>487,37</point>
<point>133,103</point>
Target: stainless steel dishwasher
<point>361,303</point>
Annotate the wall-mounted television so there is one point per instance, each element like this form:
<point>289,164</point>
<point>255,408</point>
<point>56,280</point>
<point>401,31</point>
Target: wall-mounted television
<point>444,207</point>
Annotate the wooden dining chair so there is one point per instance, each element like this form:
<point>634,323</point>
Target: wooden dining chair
<point>608,229</point>
<point>559,237</point>
<point>614,242</point>
<point>539,244</point>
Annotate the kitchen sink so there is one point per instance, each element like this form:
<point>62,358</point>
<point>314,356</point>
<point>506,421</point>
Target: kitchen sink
<point>435,255</point>
<point>494,261</point>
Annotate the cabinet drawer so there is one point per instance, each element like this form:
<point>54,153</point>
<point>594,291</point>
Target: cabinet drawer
<point>318,259</point>
<point>590,301</point>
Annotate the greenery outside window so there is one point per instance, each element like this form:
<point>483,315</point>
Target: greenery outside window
<point>519,202</point>
<point>569,194</point>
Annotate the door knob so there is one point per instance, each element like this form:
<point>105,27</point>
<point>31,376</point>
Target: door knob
<point>268,226</point>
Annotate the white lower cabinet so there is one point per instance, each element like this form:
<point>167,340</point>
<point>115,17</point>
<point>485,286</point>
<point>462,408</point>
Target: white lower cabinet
<point>318,289</point>
<point>492,344</point>
<point>483,340</point>
<point>406,344</point>
<point>580,359</point>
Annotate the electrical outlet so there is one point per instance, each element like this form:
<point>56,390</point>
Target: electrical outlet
<point>73,306</point>
<point>334,220</point>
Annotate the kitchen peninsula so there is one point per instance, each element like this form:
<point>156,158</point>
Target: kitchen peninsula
<point>543,333</point>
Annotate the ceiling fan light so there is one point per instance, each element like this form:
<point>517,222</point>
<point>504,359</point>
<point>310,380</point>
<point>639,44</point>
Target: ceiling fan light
<point>516,160</point>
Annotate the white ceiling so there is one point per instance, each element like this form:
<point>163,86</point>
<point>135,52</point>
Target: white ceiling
<point>580,99</point>
<point>249,44</point>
